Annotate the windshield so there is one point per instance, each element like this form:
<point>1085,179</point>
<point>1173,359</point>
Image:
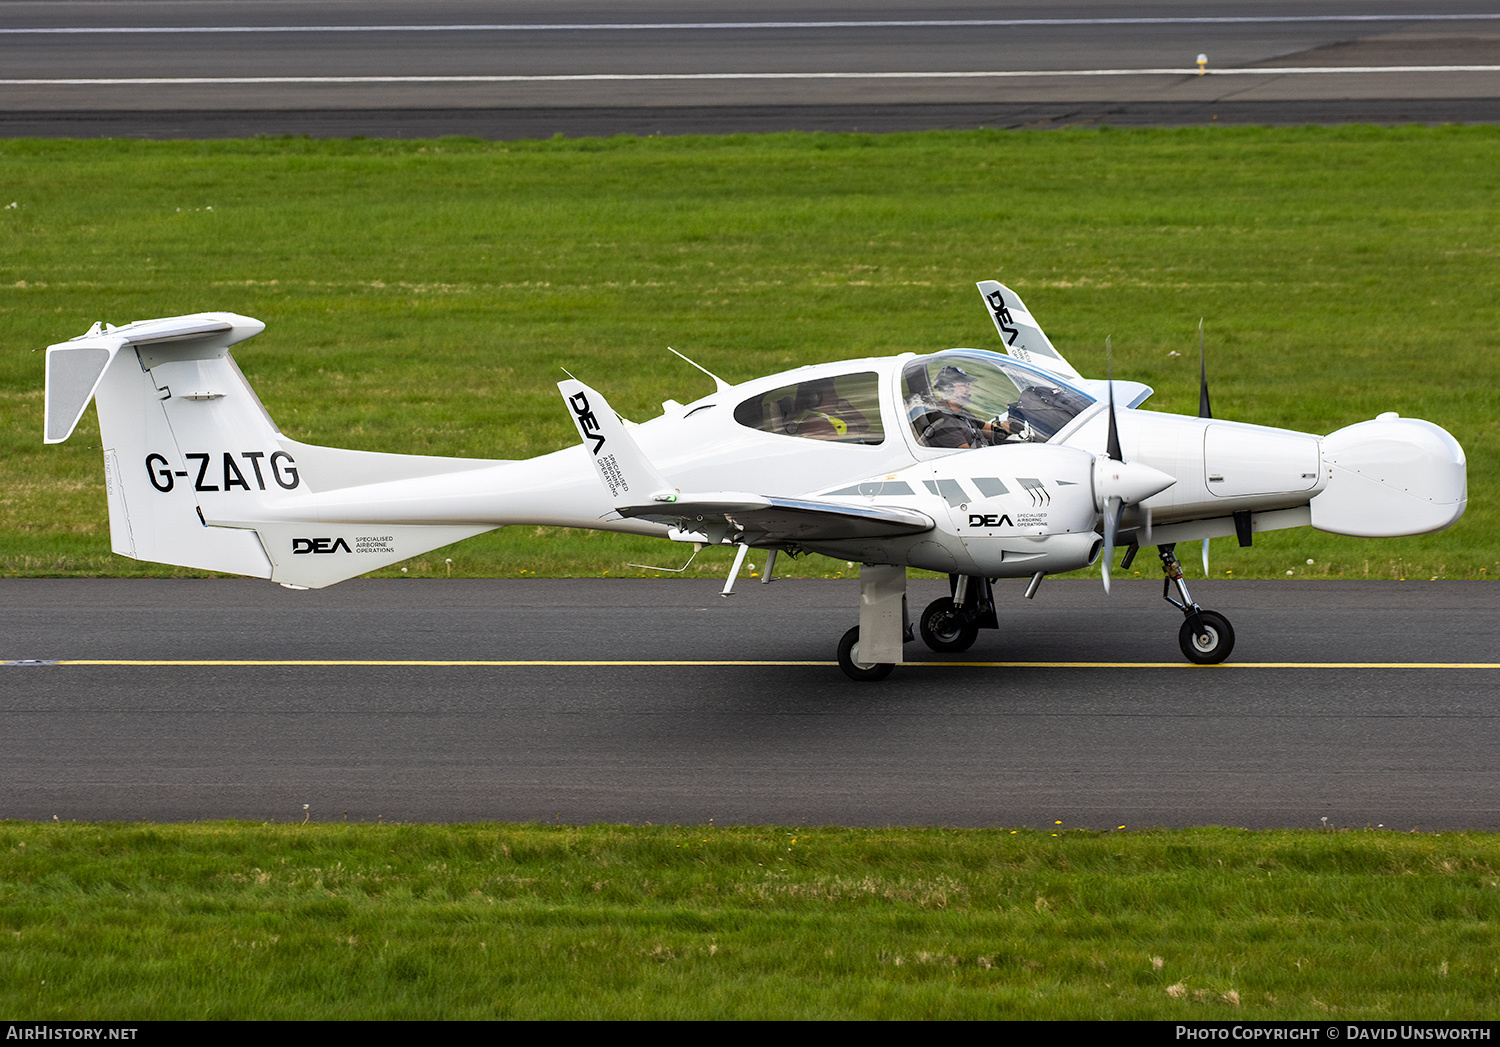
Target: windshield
<point>973,398</point>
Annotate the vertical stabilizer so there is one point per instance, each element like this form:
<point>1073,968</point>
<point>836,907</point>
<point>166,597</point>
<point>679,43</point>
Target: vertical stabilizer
<point>151,483</point>
<point>197,473</point>
<point>623,469</point>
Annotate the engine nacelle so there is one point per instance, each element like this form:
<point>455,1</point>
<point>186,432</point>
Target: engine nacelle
<point>1391,476</point>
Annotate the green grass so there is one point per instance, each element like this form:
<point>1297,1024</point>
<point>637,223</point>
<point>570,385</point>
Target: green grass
<point>131,922</point>
<point>422,296</point>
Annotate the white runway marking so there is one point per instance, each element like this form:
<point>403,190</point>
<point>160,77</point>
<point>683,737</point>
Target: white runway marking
<point>585,77</point>
<point>562,27</point>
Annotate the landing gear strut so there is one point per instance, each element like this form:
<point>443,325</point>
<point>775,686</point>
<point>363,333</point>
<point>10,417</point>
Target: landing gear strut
<point>1206,637</point>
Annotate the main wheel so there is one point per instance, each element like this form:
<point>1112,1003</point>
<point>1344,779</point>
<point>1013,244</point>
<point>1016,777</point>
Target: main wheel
<point>1212,643</point>
<point>853,667</point>
<point>943,629</point>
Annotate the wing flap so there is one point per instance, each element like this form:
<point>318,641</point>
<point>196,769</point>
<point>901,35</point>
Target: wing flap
<point>772,519</point>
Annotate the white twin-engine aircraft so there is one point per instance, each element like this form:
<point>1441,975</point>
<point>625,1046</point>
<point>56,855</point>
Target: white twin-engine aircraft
<point>968,462</point>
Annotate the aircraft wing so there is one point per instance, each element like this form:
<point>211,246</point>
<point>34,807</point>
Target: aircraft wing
<point>771,519</point>
<point>639,492</point>
<point>1020,332</point>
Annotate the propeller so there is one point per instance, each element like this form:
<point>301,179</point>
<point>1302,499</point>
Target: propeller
<point>1113,506</point>
<point>1118,483</point>
<point>1203,409</point>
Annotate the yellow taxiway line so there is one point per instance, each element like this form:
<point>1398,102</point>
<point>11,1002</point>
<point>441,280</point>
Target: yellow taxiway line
<point>706,663</point>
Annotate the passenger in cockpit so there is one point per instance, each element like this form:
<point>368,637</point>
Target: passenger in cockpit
<point>820,413</point>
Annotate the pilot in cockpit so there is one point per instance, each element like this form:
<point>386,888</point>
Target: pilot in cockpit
<point>951,421</point>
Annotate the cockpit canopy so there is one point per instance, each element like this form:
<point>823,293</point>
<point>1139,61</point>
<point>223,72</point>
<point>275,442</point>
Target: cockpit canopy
<point>974,398</point>
<point>842,408</point>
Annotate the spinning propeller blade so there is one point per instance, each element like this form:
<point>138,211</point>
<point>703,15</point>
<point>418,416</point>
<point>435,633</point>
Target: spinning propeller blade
<point>1118,483</point>
<point>1203,409</point>
<point>1112,448</point>
<point>1113,506</point>
<point>1113,509</point>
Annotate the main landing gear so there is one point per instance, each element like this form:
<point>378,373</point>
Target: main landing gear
<point>952,624</point>
<point>853,667</point>
<point>872,649</point>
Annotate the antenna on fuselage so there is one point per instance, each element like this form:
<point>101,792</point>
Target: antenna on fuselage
<point>719,383</point>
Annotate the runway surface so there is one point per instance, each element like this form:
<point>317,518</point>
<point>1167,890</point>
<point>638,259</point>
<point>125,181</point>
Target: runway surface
<point>396,68</point>
<point>1339,734</point>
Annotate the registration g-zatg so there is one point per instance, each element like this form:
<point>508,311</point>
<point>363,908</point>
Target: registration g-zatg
<point>233,470</point>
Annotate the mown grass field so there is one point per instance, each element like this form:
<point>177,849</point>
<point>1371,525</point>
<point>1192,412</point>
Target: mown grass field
<point>423,296</point>
<point>130,922</point>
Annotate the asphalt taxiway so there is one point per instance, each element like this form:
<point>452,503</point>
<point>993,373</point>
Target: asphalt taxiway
<point>659,701</point>
<point>534,68</point>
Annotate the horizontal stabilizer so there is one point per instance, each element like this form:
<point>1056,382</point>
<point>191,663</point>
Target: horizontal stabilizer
<point>76,367</point>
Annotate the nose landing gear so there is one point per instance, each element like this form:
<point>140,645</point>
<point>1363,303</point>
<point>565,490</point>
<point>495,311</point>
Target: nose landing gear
<point>1206,637</point>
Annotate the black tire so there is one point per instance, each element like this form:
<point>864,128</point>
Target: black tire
<point>855,670</point>
<point>1212,643</point>
<point>944,631</point>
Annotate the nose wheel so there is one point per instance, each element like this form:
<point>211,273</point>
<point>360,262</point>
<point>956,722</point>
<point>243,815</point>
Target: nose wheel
<point>1206,637</point>
<point>1209,641</point>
